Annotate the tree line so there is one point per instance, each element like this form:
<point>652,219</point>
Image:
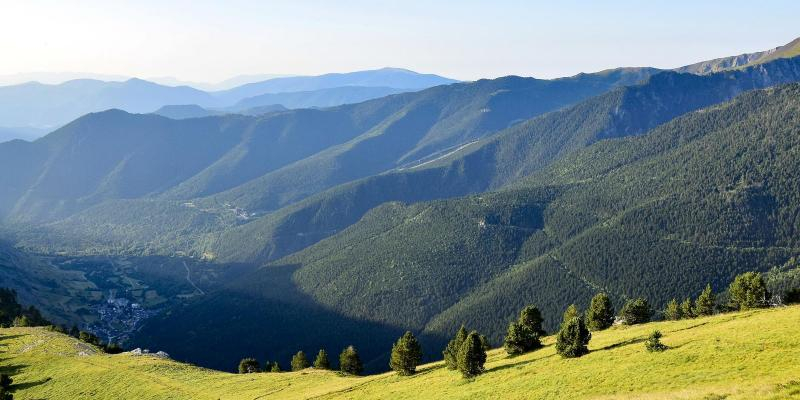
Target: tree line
<point>466,351</point>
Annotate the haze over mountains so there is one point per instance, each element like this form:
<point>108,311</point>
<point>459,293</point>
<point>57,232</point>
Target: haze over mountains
<point>46,106</point>
<point>417,210</point>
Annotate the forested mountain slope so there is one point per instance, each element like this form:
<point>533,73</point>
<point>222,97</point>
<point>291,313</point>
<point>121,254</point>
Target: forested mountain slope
<point>253,164</point>
<point>696,200</point>
<point>495,161</point>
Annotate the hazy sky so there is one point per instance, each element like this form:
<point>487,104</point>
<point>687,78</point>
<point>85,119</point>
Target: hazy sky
<point>214,40</point>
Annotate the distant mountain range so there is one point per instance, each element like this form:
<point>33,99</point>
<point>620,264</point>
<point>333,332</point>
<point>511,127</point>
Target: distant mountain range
<point>45,106</point>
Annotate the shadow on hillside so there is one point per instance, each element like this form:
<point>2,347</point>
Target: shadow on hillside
<point>264,315</point>
<point>522,362</point>
<point>621,344</point>
<point>28,385</point>
<point>690,327</point>
<point>12,369</point>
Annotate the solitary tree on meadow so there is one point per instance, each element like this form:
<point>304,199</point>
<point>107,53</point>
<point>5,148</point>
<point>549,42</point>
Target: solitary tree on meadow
<point>600,314</point>
<point>406,355</point>
<point>350,362</point>
<point>299,361</point>
<point>321,362</point>
<point>471,356</point>
<point>573,338</point>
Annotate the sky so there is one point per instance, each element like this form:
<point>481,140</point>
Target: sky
<point>210,41</point>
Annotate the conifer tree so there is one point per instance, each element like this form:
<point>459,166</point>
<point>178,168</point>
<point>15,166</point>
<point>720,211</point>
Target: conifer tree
<point>705,303</point>
<point>653,343</point>
<point>748,291</point>
<point>570,313</point>
<point>531,317</point>
<point>350,362</point>
<point>321,362</point>
<point>406,355</point>
<point>573,338</point>
<point>471,356</point>
<point>515,339</point>
<point>687,309</point>
<point>600,314</point>
<point>248,365</point>
<point>275,367</point>
<point>485,343</point>
<point>636,311</point>
<point>451,351</point>
<point>299,361</point>
<point>523,334</point>
<point>673,311</point>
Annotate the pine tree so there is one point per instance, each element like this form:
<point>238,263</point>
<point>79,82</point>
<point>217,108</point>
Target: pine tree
<point>515,339</point>
<point>748,291</point>
<point>571,312</point>
<point>321,362</point>
<point>471,356</point>
<point>451,351</point>
<point>406,355</point>
<point>485,343</point>
<point>653,343</point>
<point>350,362</point>
<point>673,311</point>
<point>74,332</point>
<point>275,367</point>
<point>636,311</point>
<point>299,361</point>
<point>523,334</point>
<point>248,365</point>
<point>687,309</point>
<point>600,314</point>
<point>705,303</point>
<point>531,317</point>
<point>573,338</point>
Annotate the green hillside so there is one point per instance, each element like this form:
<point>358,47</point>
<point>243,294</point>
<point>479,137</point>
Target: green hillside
<point>694,201</point>
<point>750,355</point>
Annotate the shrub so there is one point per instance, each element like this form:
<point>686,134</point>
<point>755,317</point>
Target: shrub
<point>299,361</point>
<point>573,338</point>
<point>321,362</point>
<point>471,356</point>
<point>600,314</point>
<point>653,342</point>
<point>673,311</point>
<point>350,362</point>
<point>248,366</point>
<point>636,311</point>
<point>406,355</point>
<point>451,351</point>
<point>748,291</point>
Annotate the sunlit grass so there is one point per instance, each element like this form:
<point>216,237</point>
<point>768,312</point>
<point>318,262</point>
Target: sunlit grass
<point>730,356</point>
